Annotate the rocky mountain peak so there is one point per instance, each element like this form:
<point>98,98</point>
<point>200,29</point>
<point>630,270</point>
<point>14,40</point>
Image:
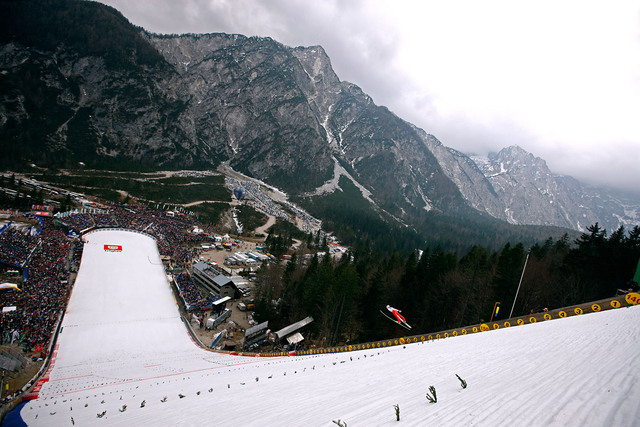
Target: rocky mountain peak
<point>317,65</point>
<point>513,160</point>
<point>531,194</point>
<point>127,98</point>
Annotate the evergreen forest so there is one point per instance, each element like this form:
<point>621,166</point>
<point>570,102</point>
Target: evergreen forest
<point>438,289</point>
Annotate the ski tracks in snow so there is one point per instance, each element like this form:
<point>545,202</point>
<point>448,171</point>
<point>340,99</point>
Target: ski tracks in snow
<point>582,370</point>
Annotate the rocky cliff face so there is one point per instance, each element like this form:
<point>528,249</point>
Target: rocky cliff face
<point>531,194</point>
<point>402,166</point>
<point>132,99</point>
<point>242,97</point>
<point>62,107</point>
<point>285,114</point>
<point>528,189</point>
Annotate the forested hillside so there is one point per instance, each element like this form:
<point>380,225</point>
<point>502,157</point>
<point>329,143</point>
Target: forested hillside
<point>349,216</point>
<point>442,290</point>
<point>87,28</point>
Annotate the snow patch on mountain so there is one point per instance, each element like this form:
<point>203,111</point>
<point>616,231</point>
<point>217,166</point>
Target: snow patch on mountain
<point>333,184</point>
<point>531,194</point>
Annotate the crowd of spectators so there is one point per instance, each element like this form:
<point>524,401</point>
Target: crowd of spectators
<point>51,255</point>
<point>257,198</point>
<point>309,223</point>
<point>172,233</point>
<point>79,221</point>
<point>191,294</point>
<point>254,196</point>
<point>44,294</point>
<point>16,245</point>
<point>105,221</point>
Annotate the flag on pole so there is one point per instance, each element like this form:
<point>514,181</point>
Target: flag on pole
<point>496,309</point>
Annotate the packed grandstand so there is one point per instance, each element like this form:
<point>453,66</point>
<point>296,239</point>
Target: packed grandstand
<point>45,255</point>
<point>122,355</point>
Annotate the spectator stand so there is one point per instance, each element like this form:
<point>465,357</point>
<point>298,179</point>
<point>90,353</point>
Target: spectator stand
<point>41,303</point>
<point>190,294</point>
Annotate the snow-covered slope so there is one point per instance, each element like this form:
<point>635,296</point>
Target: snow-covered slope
<point>124,353</point>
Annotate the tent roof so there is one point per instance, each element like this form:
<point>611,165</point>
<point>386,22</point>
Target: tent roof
<point>256,328</point>
<point>295,338</point>
<point>288,330</point>
<point>7,286</point>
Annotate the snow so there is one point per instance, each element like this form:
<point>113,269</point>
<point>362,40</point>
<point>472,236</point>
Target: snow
<point>427,203</point>
<point>509,214</point>
<point>325,124</point>
<point>332,184</point>
<point>481,161</point>
<point>123,343</point>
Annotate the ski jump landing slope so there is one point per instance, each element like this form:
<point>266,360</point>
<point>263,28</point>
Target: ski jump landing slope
<point>124,358</point>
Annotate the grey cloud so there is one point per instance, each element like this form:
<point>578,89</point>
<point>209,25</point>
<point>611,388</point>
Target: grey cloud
<point>363,49</point>
<point>361,46</point>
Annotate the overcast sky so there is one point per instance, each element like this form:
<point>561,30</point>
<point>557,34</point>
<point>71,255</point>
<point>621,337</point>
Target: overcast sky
<point>560,79</point>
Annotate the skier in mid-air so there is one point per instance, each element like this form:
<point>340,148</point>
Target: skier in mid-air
<point>399,318</point>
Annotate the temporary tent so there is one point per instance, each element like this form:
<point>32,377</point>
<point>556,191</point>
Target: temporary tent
<point>9,286</point>
<point>295,338</point>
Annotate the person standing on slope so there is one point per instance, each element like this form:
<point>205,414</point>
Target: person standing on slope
<point>397,314</point>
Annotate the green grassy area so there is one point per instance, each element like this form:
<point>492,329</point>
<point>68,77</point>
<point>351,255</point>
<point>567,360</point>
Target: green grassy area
<point>209,213</point>
<point>184,180</point>
<point>179,190</point>
<point>110,174</point>
<point>285,228</point>
<point>250,218</point>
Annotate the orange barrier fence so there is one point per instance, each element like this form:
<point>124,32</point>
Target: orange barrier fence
<point>576,310</point>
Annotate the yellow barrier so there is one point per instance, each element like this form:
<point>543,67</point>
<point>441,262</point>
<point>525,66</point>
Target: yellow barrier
<point>632,298</point>
<point>594,307</point>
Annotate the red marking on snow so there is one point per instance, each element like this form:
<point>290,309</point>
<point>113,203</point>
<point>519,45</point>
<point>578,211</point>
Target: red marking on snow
<point>72,378</point>
<point>150,378</point>
<point>29,396</point>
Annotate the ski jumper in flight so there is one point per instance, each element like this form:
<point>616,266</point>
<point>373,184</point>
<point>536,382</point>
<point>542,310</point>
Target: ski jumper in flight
<point>397,314</point>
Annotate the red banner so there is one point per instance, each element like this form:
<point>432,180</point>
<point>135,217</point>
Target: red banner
<point>113,248</point>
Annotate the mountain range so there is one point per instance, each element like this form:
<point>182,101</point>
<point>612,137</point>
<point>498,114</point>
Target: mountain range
<point>79,83</point>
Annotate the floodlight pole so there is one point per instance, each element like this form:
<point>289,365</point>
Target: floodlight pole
<point>520,283</point>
